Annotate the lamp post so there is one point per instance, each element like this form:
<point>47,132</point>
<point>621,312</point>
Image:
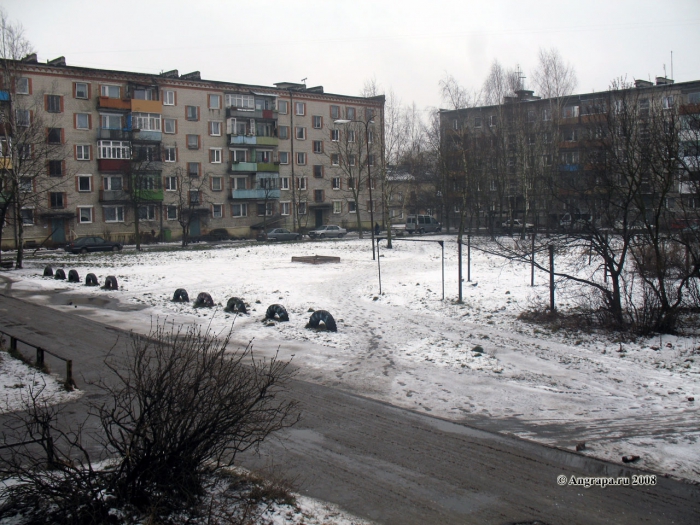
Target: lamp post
<point>369,174</point>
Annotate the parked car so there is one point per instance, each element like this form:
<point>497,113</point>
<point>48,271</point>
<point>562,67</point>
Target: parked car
<point>517,224</point>
<point>278,234</point>
<point>422,224</point>
<point>92,244</point>
<point>329,230</point>
<point>579,221</point>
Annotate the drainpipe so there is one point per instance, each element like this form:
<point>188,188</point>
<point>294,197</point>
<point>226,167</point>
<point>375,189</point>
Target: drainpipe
<point>291,137</point>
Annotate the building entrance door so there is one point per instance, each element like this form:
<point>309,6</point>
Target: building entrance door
<point>58,231</point>
<point>319,218</point>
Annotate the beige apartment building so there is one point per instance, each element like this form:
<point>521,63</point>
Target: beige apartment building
<point>100,152</point>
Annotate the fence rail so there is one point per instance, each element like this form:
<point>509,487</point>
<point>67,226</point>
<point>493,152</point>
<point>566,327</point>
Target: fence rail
<point>39,363</point>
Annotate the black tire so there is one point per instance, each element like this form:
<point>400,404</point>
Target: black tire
<point>115,248</point>
<point>322,236</point>
<point>111,283</point>
<point>322,316</point>
<point>83,250</point>
<point>60,274</point>
<point>181,296</point>
<point>73,276</point>
<point>341,236</point>
<point>91,280</point>
<point>277,312</point>
<point>48,271</point>
<point>298,238</point>
<point>421,231</point>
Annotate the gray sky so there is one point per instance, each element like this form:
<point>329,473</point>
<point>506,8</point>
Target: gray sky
<point>407,46</point>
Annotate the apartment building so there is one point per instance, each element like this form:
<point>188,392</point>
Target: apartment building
<point>114,152</point>
<point>537,159</point>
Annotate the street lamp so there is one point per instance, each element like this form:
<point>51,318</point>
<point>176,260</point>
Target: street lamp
<point>369,174</point>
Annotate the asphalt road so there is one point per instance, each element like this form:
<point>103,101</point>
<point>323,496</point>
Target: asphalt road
<point>390,464</point>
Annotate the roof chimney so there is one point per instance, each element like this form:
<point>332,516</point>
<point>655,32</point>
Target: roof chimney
<point>170,74</point>
<point>32,59</point>
<point>60,61</point>
<point>662,81</point>
<point>195,75</point>
<point>639,83</point>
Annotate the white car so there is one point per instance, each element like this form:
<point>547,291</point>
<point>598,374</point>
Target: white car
<point>517,224</point>
<point>329,230</point>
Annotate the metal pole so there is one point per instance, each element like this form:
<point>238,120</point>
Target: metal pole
<point>551,277</point>
<point>369,182</point>
<point>532,262</point>
<point>379,268</point>
<point>442,245</point>
<point>459,268</point>
<point>469,258</point>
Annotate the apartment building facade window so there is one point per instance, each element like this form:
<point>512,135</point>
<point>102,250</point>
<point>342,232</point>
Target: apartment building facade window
<point>215,155</point>
<point>192,113</point>
<point>301,158</point>
<point>22,86</point>
<point>84,183</point>
<point>317,122</point>
<point>239,210</point>
<point>170,183</point>
<point>114,149</point>
<point>318,171</point>
<point>169,126</point>
<point>170,154</point>
<point>217,211</point>
<point>110,91</point>
<point>85,214</point>
<point>284,157</point>
<point>300,108</point>
<point>145,121</point>
<point>113,213</point>
<point>318,146</point>
<point>82,121</point>
<point>168,97</point>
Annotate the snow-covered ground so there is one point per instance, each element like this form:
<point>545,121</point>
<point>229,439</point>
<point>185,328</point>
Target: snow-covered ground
<point>409,347</point>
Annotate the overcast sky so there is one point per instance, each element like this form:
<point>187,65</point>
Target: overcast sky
<point>406,45</point>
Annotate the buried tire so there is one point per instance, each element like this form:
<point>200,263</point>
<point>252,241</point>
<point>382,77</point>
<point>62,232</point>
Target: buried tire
<point>91,280</point>
<point>48,271</point>
<point>236,305</point>
<point>180,296</point>
<point>73,276</point>
<point>111,283</point>
<point>277,312</point>
<point>60,274</point>
<point>322,316</point>
<point>204,300</point>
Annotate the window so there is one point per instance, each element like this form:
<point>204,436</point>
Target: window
<point>238,155</point>
<point>455,124</point>
<point>239,210</point>
<point>335,112</point>
<point>301,208</point>
<point>335,135</point>
<point>55,168</point>
<point>284,157</point>
<point>492,120</point>
<point>85,215</point>
<point>370,136</point>
<point>283,107</point>
<point>194,197</point>
<point>112,182</point>
<point>55,136</point>
<point>546,114</point>
<point>192,141</point>
<point>318,146</point>
<point>263,155</point>
<point>351,135</point>
<point>171,213</point>
<point>22,117</point>
<point>84,183</point>
<point>111,121</point>
<point>239,183</point>
<point>147,212</point>
<point>192,113</point>
<point>114,149</point>
<point>570,135</point>
<point>571,112</point>
<point>285,208</point>
<point>337,207</point>
<point>352,207</point>
<point>318,195</point>
<point>335,159</point>
<point>217,183</point>
<point>27,216</point>
<point>82,121</point>
<point>370,159</point>
<point>667,102</point>
<point>300,108</point>
<point>214,101</point>
<point>110,91</point>
<point>265,209</point>
<point>144,94</point>
<point>168,97</point>
<point>570,157</point>
<point>215,155</point>
<point>245,102</point>
<point>301,158</point>
<point>114,213</point>
<point>351,183</point>
<point>351,160</point>
<point>82,152</point>
<point>283,132</point>
<point>145,121</point>
<point>53,103</point>
<point>169,125</point>
<point>81,90</point>
<point>477,122</point>
<point>301,183</point>
<point>56,200</point>
<point>300,133</point>
<point>284,183</point>
<point>22,88</point>
<point>317,122</point>
<point>318,171</point>
<point>170,183</point>
<point>193,169</point>
<point>335,183</point>
<point>350,112</point>
<point>217,211</point>
<point>170,154</point>
<point>215,128</point>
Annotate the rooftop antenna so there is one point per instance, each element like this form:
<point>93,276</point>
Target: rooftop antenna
<point>304,81</point>
<point>521,77</point>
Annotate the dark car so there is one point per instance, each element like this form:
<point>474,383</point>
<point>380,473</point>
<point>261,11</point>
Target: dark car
<point>279,234</point>
<point>92,244</point>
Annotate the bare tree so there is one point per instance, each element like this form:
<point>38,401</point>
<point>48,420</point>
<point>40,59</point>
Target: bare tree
<point>552,77</point>
<point>189,205</point>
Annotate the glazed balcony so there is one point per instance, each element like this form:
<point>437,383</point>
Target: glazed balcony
<point>113,103</point>
<point>257,194</point>
<point>268,166</point>
<point>147,136</point>
<point>113,196</point>
<point>146,106</point>
<point>239,167</point>
<point>267,141</point>
<point>149,195</point>
<point>244,140</point>
<point>113,134</point>
<point>257,114</point>
<point>113,164</point>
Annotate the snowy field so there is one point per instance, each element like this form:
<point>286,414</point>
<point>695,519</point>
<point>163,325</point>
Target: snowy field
<point>409,347</point>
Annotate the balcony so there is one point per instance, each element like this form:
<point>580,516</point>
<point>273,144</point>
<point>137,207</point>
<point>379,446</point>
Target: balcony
<point>113,103</point>
<point>113,164</point>
<point>113,134</point>
<point>113,196</point>
<point>268,166</point>
<point>266,114</point>
<point>248,140</point>
<point>149,195</point>
<point>238,167</point>
<point>257,194</point>
<point>147,136</point>
<point>146,106</point>
<point>268,141</point>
